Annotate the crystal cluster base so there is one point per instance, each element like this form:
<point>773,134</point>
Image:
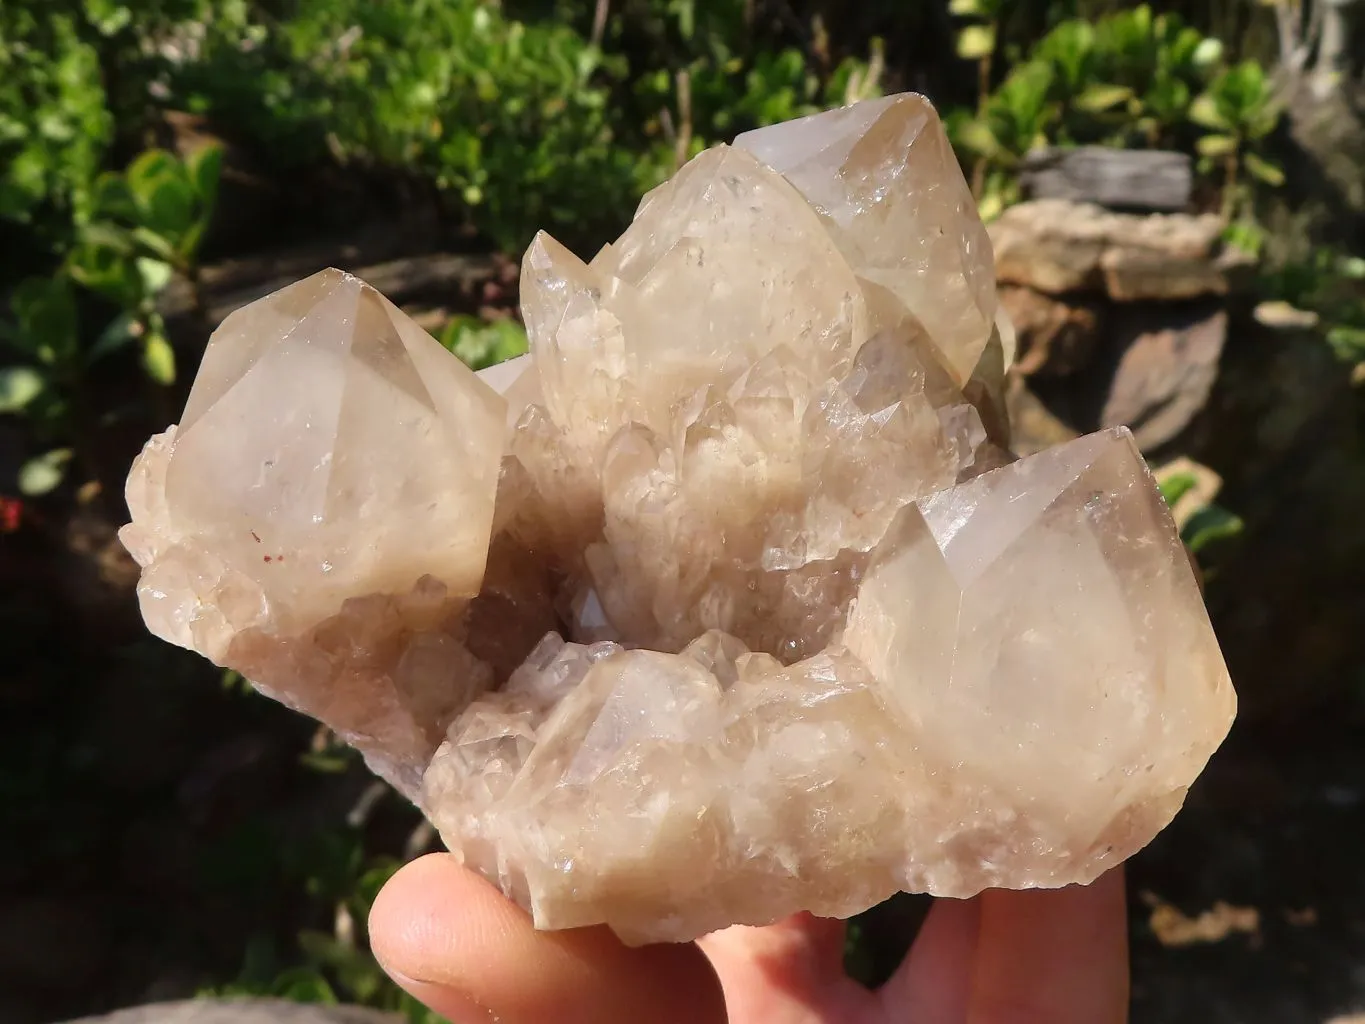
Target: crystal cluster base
<point>729,600</point>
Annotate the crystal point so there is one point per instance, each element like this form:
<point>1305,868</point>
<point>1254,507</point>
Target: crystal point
<point>332,454</point>
<point>884,179</point>
<point>728,600</point>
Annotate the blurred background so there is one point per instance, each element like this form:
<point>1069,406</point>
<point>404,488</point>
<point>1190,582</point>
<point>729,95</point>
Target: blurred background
<point>165,832</point>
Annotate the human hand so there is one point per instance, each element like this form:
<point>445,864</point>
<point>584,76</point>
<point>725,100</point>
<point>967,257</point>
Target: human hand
<point>1037,957</point>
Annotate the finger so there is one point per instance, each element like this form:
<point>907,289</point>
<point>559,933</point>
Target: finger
<point>462,948</point>
<point>1059,956</point>
<point>789,971</point>
<point>932,985</point>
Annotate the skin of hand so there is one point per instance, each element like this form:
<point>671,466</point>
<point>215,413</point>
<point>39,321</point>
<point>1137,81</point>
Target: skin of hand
<point>1035,957</point>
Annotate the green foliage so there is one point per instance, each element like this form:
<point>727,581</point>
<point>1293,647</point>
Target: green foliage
<point>977,40</point>
<point>329,965</point>
<point>42,474</point>
<point>512,119</point>
<point>1176,486</point>
<point>480,343</point>
<point>1204,526</point>
<point>516,125</point>
<point>1149,68</point>
<point>55,126</point>
<point>142,227</point>
<point>1208,526</point>
<point>1132,78</point>
<point>1238,111</point>
<point>1014,120</point>
<point>1330,283</point>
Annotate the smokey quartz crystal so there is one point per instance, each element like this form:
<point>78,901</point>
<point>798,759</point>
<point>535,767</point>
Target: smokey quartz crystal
<point>728,600</point>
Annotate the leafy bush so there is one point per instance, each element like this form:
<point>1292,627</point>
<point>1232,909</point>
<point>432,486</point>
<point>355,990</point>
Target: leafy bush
<point>1133,78</point>
<point>1331,284</point>
<point>140,228</point>
<point>55,126</point>
<point>481,344</point>
<point>512,119</point>
<point>1240,111</point>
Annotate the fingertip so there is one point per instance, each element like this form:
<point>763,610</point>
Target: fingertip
<point>456,943</point>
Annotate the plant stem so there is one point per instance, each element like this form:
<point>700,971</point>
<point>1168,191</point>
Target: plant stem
<point>1230,175</point>
<point>983,93</point>
<point>683,143</point>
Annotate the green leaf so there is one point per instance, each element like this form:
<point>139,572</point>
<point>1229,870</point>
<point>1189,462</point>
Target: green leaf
<point>158,358</point>
<point>481,344</point>
<point>150,170</point>
<point>45,310</point>
<point>154,243</point>
<point>1348,343</point>
<point>324,764</point>
<point>107,271</point>
<point>111,198</point>
<point>188,250</point>
<point>1204,112</point>
<point>40,475</point>
<point>1216,145</point>
<point>1176,486</point>
<point>1098,98</point>
<point>1208,53</point>
<point>991,206</point>
<point>19,385</point>
<point>107,236</point>
<point>1246,235</point>
<point>976,137</point>
<point>976,41</point>
<point>107,16</point>
<point>205,167</point>
<point>1263,170</point>
<point>169,208</point>
<point>155,274</point>
<point>966,8</point>
<point>1210,524</point>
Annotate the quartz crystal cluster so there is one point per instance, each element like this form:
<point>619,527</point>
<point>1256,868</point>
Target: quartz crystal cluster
<point>728,600</point>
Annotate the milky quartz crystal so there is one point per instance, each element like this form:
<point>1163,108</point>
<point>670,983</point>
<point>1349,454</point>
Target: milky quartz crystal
<point>728,600</point>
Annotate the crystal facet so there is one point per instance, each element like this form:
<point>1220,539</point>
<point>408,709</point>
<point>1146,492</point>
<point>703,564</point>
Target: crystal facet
<point>728,600</point>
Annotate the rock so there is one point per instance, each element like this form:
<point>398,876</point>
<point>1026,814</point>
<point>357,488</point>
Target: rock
<point>1167,367</point>
<point>758,615</point>
<point>1114,178</point>
<point>1056,336</point>
<point>1282,427</point>
<point>1035,427</point>
<point>1057,246</point>
<point>243,1011</point>
<point>1281,315</point>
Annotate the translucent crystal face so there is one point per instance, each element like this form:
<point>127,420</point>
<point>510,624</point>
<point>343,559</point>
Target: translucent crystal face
<point>884,180</point>
<point>728,600</point>
<point>318,447</point>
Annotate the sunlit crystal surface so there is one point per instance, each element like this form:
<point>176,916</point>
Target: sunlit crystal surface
<point>728,600</point>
